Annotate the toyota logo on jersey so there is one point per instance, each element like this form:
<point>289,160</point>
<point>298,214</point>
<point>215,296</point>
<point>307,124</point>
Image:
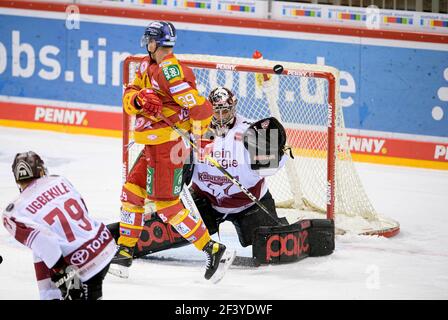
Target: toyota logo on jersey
<point>79,257</point>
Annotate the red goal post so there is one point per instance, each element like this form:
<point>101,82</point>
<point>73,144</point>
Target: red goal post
<point>313,120</point>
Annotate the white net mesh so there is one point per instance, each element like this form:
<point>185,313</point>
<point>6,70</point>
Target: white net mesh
<point>300,102</point>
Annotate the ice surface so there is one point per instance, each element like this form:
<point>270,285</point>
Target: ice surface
<point>413,265</point>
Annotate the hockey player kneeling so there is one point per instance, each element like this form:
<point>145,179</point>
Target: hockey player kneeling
<point>249,152</point>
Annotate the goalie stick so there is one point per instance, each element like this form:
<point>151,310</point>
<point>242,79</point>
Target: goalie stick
<point>223,171</point>
<point>239,261</point>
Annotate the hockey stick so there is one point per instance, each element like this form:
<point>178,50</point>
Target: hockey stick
<point>239,262</point>
<point>187,200</point>
<point>220,168</point>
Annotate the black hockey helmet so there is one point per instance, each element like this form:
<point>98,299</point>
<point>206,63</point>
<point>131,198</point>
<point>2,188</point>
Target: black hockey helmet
<point>27,166</point>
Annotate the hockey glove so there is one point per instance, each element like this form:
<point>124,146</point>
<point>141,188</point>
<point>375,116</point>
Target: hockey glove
<point>148,101</point>
<point>65,279</point>
<point>265,141</point>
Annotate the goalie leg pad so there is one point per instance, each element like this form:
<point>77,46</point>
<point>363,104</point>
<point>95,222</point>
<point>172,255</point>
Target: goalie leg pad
<point>281,244</point>
<point>156,236</point>
<point>284,244</point>
<point>321,237</point>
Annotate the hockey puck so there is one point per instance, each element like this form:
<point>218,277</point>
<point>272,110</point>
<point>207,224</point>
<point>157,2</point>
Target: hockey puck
<point>278,69</point>
<point>1,259</point>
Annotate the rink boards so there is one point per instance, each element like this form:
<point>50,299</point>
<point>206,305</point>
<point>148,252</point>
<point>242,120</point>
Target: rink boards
<point>55,76</point>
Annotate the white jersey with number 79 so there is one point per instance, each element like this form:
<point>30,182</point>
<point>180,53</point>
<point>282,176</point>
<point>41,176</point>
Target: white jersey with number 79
<point>51,218</point>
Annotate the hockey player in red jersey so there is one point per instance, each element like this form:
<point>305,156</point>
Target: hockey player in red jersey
<point>72,251</point>
<point>165,86</point>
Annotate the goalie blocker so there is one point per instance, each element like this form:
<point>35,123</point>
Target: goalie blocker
<point>265,142</point>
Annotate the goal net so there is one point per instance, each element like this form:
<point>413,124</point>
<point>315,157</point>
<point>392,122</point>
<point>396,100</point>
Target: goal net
<point>321,180</point>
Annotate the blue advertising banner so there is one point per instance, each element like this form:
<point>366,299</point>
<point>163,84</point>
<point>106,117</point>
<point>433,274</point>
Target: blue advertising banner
<point>384,87</point>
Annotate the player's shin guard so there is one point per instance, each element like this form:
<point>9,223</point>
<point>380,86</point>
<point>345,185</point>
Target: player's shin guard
<point>188,224</point>
<point>131,225</point>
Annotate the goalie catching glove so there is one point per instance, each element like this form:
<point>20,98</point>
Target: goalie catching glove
<point>265,141</point>
<point>148,101</point>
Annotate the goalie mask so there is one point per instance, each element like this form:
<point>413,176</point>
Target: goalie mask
<point>28,166</point>
<point>224,109</point>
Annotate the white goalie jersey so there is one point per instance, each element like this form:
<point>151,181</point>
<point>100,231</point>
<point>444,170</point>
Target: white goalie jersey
<point>230,153</point>
<point>50,217</point>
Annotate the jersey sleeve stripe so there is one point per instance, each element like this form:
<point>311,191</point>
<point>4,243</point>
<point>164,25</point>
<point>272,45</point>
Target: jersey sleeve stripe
<point>23,232</point>
<point>31,238</point>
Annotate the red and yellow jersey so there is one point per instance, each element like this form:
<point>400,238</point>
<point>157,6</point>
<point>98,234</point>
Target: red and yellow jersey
<point>175,84</point>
